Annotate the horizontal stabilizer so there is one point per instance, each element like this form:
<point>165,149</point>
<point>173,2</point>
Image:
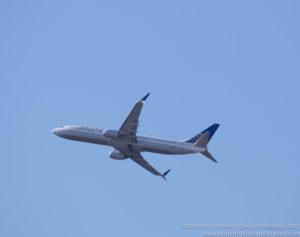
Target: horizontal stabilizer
<point>203,140</point>
<point>209,156</point>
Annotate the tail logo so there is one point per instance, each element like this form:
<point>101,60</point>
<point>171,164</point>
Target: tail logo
<point>212,129</point>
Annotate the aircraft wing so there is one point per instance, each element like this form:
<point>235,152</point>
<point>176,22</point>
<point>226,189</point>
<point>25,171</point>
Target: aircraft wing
<point>129,127</point>
<point>142,162</point>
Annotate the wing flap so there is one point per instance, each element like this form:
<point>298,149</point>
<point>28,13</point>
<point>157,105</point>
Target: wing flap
<point>142,162</point>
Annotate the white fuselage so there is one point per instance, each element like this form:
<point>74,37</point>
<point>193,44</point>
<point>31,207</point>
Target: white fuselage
<point>143,143</point>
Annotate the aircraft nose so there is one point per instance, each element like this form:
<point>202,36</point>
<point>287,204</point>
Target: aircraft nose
<point>56,131</point>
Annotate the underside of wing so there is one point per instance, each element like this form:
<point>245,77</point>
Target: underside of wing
<point>129,127</point>
<point>142,162</point>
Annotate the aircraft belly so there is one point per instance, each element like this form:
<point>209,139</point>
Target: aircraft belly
<point>126,147</point>
<point>90,138</point>
<point>165,149</point>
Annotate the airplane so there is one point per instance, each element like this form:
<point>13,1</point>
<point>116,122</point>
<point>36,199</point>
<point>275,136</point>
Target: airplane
<point>128,144</point>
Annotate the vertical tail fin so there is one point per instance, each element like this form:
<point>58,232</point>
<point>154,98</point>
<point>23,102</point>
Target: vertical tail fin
<point>203,138</point>
<point>212,129</point>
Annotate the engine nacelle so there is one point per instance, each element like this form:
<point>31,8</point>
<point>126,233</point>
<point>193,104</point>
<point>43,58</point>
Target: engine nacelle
<point>117,155</point>
<point>111,133</point>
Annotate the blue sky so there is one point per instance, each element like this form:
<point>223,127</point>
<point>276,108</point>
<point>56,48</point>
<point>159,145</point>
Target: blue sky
<point>87,62</point>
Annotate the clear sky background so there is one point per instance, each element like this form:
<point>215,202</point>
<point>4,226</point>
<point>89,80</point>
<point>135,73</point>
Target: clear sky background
<point>88,62</point>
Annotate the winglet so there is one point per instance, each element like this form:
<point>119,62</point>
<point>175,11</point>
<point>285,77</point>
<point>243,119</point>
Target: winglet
<point>165,174</point>
<point>145,97</point>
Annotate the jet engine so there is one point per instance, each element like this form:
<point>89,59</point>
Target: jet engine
<point>111,134</point>
<point>117,155</point>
